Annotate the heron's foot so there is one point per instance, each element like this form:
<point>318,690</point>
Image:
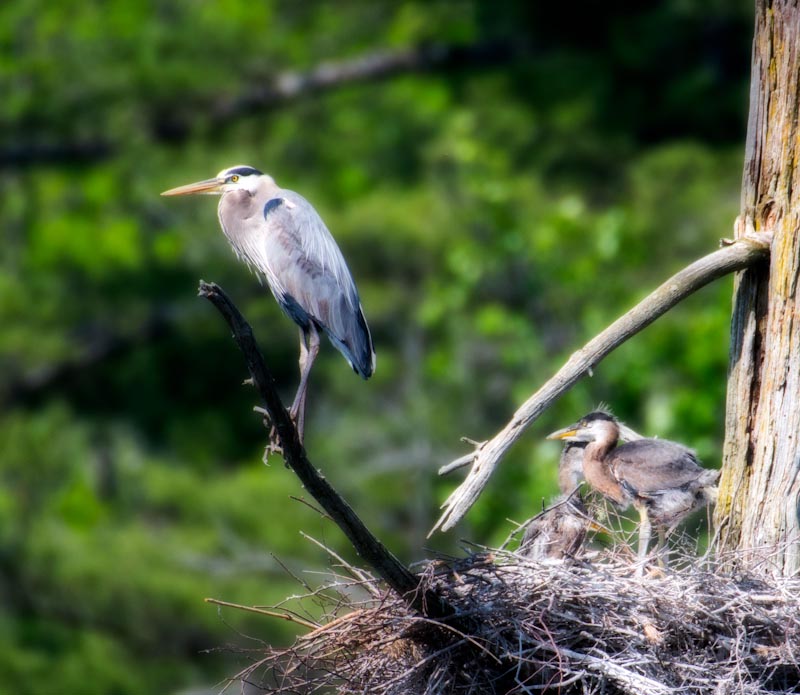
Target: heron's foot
<point>274,446</point>
<point>264,415</point>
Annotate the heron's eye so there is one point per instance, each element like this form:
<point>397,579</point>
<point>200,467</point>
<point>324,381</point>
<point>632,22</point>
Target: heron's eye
<point>234,178</point>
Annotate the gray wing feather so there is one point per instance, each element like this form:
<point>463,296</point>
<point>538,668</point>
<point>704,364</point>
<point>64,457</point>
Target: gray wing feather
<point>303,265</point>
<point>651,465</point>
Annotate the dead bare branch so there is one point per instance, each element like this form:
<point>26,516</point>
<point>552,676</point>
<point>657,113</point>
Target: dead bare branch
<point>371,66</point>
<point>741,254</point>
<point>382,561</point>
<point>263,611</point>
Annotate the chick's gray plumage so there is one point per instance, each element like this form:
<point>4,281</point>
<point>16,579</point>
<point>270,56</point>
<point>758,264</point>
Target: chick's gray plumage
<point>570,466</point>
<point>665,476</point>
<point>558,532</point>
<point>663,480</point>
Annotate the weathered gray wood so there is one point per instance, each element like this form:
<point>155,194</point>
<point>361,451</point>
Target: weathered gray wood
<point>757,510</point>
<point>742,254</point>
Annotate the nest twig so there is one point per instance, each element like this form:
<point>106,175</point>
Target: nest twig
<point>569,628</point>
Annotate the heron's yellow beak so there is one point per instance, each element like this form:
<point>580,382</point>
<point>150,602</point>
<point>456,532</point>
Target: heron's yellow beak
<point>207,187</point>
<point>563,434</point>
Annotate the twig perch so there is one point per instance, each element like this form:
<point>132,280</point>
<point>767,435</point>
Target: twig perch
<point>736,256</point>
<point>262,611</point>
<point>386,565</point>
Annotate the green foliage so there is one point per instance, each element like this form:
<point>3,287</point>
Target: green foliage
<point>495,218</point>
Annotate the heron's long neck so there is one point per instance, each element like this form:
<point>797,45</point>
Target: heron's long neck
<point>598,474</point>
<point>570,467</point>
<point>235,210</point>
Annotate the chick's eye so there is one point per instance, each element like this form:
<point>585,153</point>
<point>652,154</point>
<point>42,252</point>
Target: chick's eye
<point>234,178</point>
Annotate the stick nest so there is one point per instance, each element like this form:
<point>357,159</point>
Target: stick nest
<point>567,627</point>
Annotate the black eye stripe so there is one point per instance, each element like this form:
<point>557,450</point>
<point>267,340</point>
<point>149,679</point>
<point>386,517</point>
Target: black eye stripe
<point>243,171</point>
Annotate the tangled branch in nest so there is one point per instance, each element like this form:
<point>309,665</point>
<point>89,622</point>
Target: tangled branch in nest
<point>560,627</point>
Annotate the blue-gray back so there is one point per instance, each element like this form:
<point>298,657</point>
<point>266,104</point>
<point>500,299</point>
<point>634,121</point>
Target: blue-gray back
<point>279,234</point>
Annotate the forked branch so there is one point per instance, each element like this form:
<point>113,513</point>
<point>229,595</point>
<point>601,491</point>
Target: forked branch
<point>735,256</point>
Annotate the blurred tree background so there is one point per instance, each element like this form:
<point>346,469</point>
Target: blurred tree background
<point>498,206</point>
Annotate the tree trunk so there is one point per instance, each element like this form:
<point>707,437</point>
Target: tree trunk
<point>757,511</point>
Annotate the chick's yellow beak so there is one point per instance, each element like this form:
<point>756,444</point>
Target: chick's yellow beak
<point>564,433</point>
<point>207,187</point>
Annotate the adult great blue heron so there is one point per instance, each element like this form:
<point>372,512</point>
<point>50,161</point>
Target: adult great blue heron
<point>663,480</point>
<point>281,236</point>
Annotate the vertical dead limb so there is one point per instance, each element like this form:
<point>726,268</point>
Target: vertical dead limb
<point>759,495</point>
<point>386,565</point>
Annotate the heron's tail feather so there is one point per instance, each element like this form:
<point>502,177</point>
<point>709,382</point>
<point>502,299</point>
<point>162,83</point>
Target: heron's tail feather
<point>356,346</point>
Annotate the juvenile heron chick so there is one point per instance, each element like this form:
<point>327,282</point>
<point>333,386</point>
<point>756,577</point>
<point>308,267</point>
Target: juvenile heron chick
<point>558,532</point>
<point>570,464</point>
<point>279,234</point>
<point>663,480</point>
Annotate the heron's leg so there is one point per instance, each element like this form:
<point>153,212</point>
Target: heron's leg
<point>645,530</point>
<point>663,547</point>
<point>309,349</point>
<point>303,361</point>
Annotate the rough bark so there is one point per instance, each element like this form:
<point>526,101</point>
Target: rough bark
<point>757,510</point>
